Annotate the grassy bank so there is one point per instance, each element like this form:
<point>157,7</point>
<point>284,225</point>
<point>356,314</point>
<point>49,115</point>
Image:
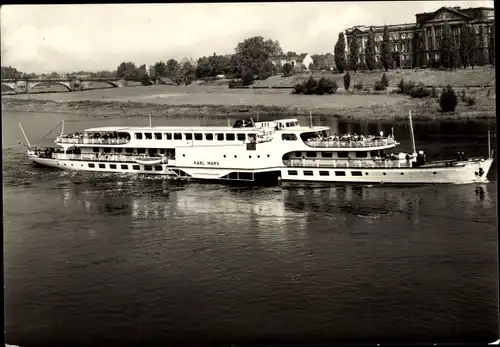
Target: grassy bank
<point>387,107</point>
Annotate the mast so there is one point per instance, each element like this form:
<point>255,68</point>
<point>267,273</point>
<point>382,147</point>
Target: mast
<point>489,144</point>
<point>311,118</point>
<point>412,135</point>
<point>24,134</point>
<point>150,124</point>
<point>62,127</point>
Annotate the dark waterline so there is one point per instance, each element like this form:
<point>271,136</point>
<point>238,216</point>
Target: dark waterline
<point>100,257</point>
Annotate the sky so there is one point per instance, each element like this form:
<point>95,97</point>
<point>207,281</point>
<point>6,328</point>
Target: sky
<point>67,38</point>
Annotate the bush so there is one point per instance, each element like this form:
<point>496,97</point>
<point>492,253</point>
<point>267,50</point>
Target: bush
<point>313,87</point>
<point>247,77</point>
<point>448,100</point>
<point>463,96</point>
<point>434,92</point>
<point>420,91</point>
<point>470,100</point>
<point>405,88</point>
<point>347,80</point>
<point>146,81</point>
<point>358,86</point>
<point>384,81</point>
<point>379,86</point>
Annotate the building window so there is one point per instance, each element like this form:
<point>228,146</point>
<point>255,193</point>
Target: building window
<point>158,136</point>
<point>148,136</point>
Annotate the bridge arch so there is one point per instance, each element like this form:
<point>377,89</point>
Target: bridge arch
<point>10,88</point>
<point>49,83</point>
<point>113,84</point>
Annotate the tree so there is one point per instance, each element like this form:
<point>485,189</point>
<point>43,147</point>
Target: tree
<point>9,72</point>
<point>187,72</point>
<point>446,46</point>
<point>353,53</point>
<point>173,70</point>
<point>160,69</point>
<point>385,50</point>
<point>370,51</point>
<point>448,100</point>
<point>287,69</point>
<point>464,46</point>
<point>127,71</point>
<point>254,52</point>
<point>492,45</point>
<point>53,75</point>
<point>291,54</point>
<point>312,67</point>
<point>339,53</point>
<point>474,47</point>
<point>247,77</point>
<point>481,58</point>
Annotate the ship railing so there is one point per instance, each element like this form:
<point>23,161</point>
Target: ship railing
<point>350,144</point>
<point>106,157</point>
<point>349,163</point>
<point>76,140</point>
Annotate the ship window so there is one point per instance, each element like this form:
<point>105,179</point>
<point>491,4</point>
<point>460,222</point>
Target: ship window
<point>148,167</point>
<point>241,137</point>
<point>129,150</point>
<point>198,136</point>
<point>107,150</point>
<point>168,136</point>
<point>112,166</point>
<point>148,136</point>
<point>288,137</point>
<point>209,137</point>
<point>102,166</point>
<point>138,136</point>
<point>188,136</point>
<point>177,136</point>
<point>162,150</point>
<point>158,136</point>
<point>343,154</point>
<point>324,173</point>
<point>229,137</point>
<point>339,173</point>
<point>141,150</point>
<point>118,150</point>
<point>91,165</point>
<point>220,137</point>
<point>374,154</point>
<point>136,167</point>
<point>298,154</point>
<point>95,149</point>
<point>124,167</point>
<point>292,172</point>
<point>361,154</point>
<point>402,173</point>
<point>308,173</point>
<point>153,151</point>
<point>287,125</point>
<point>327,154</point>
<point>158,168</point>
<point>311,154</point>
<point>356,173</point>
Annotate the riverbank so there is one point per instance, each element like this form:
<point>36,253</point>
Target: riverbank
<point>421,109</point>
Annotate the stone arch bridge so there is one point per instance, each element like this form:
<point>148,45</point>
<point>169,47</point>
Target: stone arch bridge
<point>75,84</point>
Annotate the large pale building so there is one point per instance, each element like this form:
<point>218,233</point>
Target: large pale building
<point>411,41</point>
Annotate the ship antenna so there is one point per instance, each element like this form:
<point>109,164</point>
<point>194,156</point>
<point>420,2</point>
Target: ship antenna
<point>411,134</point>
<point>24,134</point>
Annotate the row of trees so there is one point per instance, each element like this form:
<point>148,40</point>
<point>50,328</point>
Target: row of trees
<point>9,72</point>
<point>466,49</point>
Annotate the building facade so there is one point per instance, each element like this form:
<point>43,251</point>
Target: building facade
<point>410,42</point>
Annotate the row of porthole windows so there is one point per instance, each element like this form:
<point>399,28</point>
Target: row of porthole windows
<point>190,136</point>
<point>125,167</point>
<point>337,173</point>
<point>250,157</point>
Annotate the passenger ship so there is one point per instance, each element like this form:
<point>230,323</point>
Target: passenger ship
<point>259,152</point>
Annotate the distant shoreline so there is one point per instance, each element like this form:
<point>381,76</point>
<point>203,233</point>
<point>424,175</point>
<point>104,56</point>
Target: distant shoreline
<point>424,111</point>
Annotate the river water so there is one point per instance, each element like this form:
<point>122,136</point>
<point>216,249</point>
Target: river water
<point>96,258</point>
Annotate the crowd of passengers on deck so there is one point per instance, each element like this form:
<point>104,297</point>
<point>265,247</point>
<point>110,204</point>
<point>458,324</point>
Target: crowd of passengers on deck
<point>349,137</point>
<point>97,136</point>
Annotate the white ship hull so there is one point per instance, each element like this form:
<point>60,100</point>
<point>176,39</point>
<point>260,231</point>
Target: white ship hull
<point>469,172</point>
